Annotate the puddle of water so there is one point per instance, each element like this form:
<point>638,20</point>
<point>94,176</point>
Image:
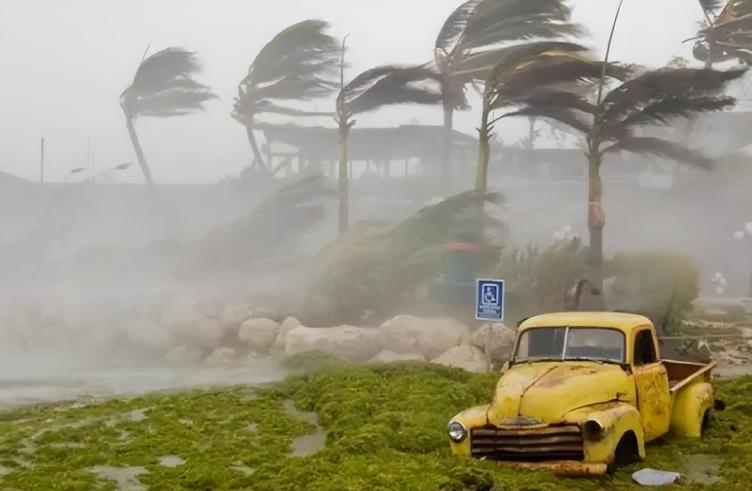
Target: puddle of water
<point>4,471</point>
<point>703,469</point>
<point>171,461</point>
<point>252,428</point>
<point>306,445</point>
<point>125,477</point>
<point>137,415</point>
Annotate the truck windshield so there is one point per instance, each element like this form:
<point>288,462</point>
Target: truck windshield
<point>571,343</point>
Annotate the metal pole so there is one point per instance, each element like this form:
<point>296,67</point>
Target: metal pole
<point>41,161</point>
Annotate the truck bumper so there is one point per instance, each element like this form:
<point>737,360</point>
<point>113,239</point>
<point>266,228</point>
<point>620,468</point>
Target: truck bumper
<point>569,468</point>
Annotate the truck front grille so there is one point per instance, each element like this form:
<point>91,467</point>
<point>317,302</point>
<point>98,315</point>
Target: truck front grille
<point>527,444</point>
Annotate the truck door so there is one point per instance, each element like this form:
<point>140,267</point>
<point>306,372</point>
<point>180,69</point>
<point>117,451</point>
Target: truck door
<point>651,380</point>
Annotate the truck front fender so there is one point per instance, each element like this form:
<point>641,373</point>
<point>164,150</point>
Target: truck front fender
<point>474,417</point>
<point>691,404</point>
<point>617,419</point>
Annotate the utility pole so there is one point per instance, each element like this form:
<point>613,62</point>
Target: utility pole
<point>41,161</point>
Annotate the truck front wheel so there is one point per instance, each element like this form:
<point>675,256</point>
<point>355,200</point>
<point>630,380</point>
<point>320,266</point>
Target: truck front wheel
<point>626,452</point>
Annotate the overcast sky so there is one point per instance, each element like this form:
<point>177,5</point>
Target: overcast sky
<point>64,63</point>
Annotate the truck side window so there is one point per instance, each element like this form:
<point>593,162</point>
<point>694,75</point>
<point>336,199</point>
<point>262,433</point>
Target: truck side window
<point>644,349</point>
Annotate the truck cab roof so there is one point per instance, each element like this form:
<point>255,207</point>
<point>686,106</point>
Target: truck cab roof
<point>615,320</point>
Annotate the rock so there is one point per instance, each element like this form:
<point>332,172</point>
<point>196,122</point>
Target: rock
<point>149,337</point>
<point>205,332</point>
<point>260,312</point>
<point>221,356</point>
<point>233,315</point>
<point>464,356</point>
<point>495,340</point>
<point>287,325</point>
<point>430,337</point>
<point>184,355</point>
<point>258,334</point>
<point>356,344</point>
<point>391,356</point>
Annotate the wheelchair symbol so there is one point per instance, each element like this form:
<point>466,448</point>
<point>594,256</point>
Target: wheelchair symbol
<point>490,296</point>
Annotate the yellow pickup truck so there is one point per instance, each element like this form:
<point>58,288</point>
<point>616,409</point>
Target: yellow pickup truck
<point>583,393</point>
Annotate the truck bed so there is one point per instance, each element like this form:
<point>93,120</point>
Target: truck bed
<point>681,373</point>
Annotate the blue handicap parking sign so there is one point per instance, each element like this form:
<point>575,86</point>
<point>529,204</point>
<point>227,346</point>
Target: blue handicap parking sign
<point>489,300</point>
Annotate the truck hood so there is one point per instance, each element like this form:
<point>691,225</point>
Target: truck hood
<point>546,391</point>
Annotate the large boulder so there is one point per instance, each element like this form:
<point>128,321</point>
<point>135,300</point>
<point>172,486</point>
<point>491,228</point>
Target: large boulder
<point>356,344</point>
<point>258,334</point>
<point>465,356</point>
<point>284,328</point>
<point>429,337</point>
<point>391,356</point>
<point>496,341</point>
<point>233,315</point>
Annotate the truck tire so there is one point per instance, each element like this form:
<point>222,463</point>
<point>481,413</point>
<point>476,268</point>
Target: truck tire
<point>626,452</point>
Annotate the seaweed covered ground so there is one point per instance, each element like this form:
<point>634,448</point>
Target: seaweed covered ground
<point>378,427</point>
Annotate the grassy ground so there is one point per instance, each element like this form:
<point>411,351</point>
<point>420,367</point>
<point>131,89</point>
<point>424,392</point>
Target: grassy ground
<point>385,431</point>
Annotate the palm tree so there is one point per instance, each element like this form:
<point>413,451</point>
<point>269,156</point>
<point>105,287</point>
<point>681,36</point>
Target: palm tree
<point>612,124</point>
<point>296,65</point>
<point>726,33</point>
<point>533,70</point>
<point>469,44</point>
<point>163,87</point>
<point>371,90</point>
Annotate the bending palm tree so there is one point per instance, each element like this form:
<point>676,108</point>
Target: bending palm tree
<point>467,47</point>
<point>726,32</point>
<point>163,87</point>
<point>372,89</point>
<point>612,124</point>
<point>296,65</point>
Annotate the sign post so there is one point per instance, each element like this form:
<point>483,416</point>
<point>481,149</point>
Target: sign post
<point>489,300</point>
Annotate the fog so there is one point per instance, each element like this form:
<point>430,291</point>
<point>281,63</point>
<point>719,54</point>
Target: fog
<point>99,279</point>
<point>63,66</point>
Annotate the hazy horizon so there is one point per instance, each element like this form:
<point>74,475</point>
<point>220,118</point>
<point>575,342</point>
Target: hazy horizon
<point>64,64</point>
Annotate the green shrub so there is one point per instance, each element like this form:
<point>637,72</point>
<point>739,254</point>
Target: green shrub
<point>658,284</point>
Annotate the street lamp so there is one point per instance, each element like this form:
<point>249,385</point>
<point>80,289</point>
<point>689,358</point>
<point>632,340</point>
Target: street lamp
<point>746,233</point>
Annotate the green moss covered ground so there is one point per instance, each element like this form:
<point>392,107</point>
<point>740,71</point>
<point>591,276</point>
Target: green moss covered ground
<point>385,431</point>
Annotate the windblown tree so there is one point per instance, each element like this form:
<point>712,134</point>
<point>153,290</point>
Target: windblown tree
<point>391,260</point>
<point>726,33</point>
<point>298,64</point>
<point>470,42</point>
<point>613,123</point>
<point>371,90</point>
<point>163,87</point>
<point>531,71</point>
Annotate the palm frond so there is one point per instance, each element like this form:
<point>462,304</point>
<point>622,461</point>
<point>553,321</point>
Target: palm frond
<point>565,116</point>
<point>299,63</point>
<point>513,58</point>
<point>454,26</point>
<point>659,84</point>
<point>660,148</point>
<point>711,6</point>
<point>388,85</point>
<point>164,86</point>
<point>675,106</point>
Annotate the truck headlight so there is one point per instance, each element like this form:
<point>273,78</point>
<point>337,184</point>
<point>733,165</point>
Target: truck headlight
<point>593,429</point>
<point>457,431</point>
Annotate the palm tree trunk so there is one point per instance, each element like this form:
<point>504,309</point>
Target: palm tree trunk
<point>139,151</point>
<point>596,223</point>
<point>484,153</point>
<point>257,157</point>
<point>446,153</point>
<point>343,185</point>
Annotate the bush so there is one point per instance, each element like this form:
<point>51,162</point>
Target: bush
<point>660,285</point>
